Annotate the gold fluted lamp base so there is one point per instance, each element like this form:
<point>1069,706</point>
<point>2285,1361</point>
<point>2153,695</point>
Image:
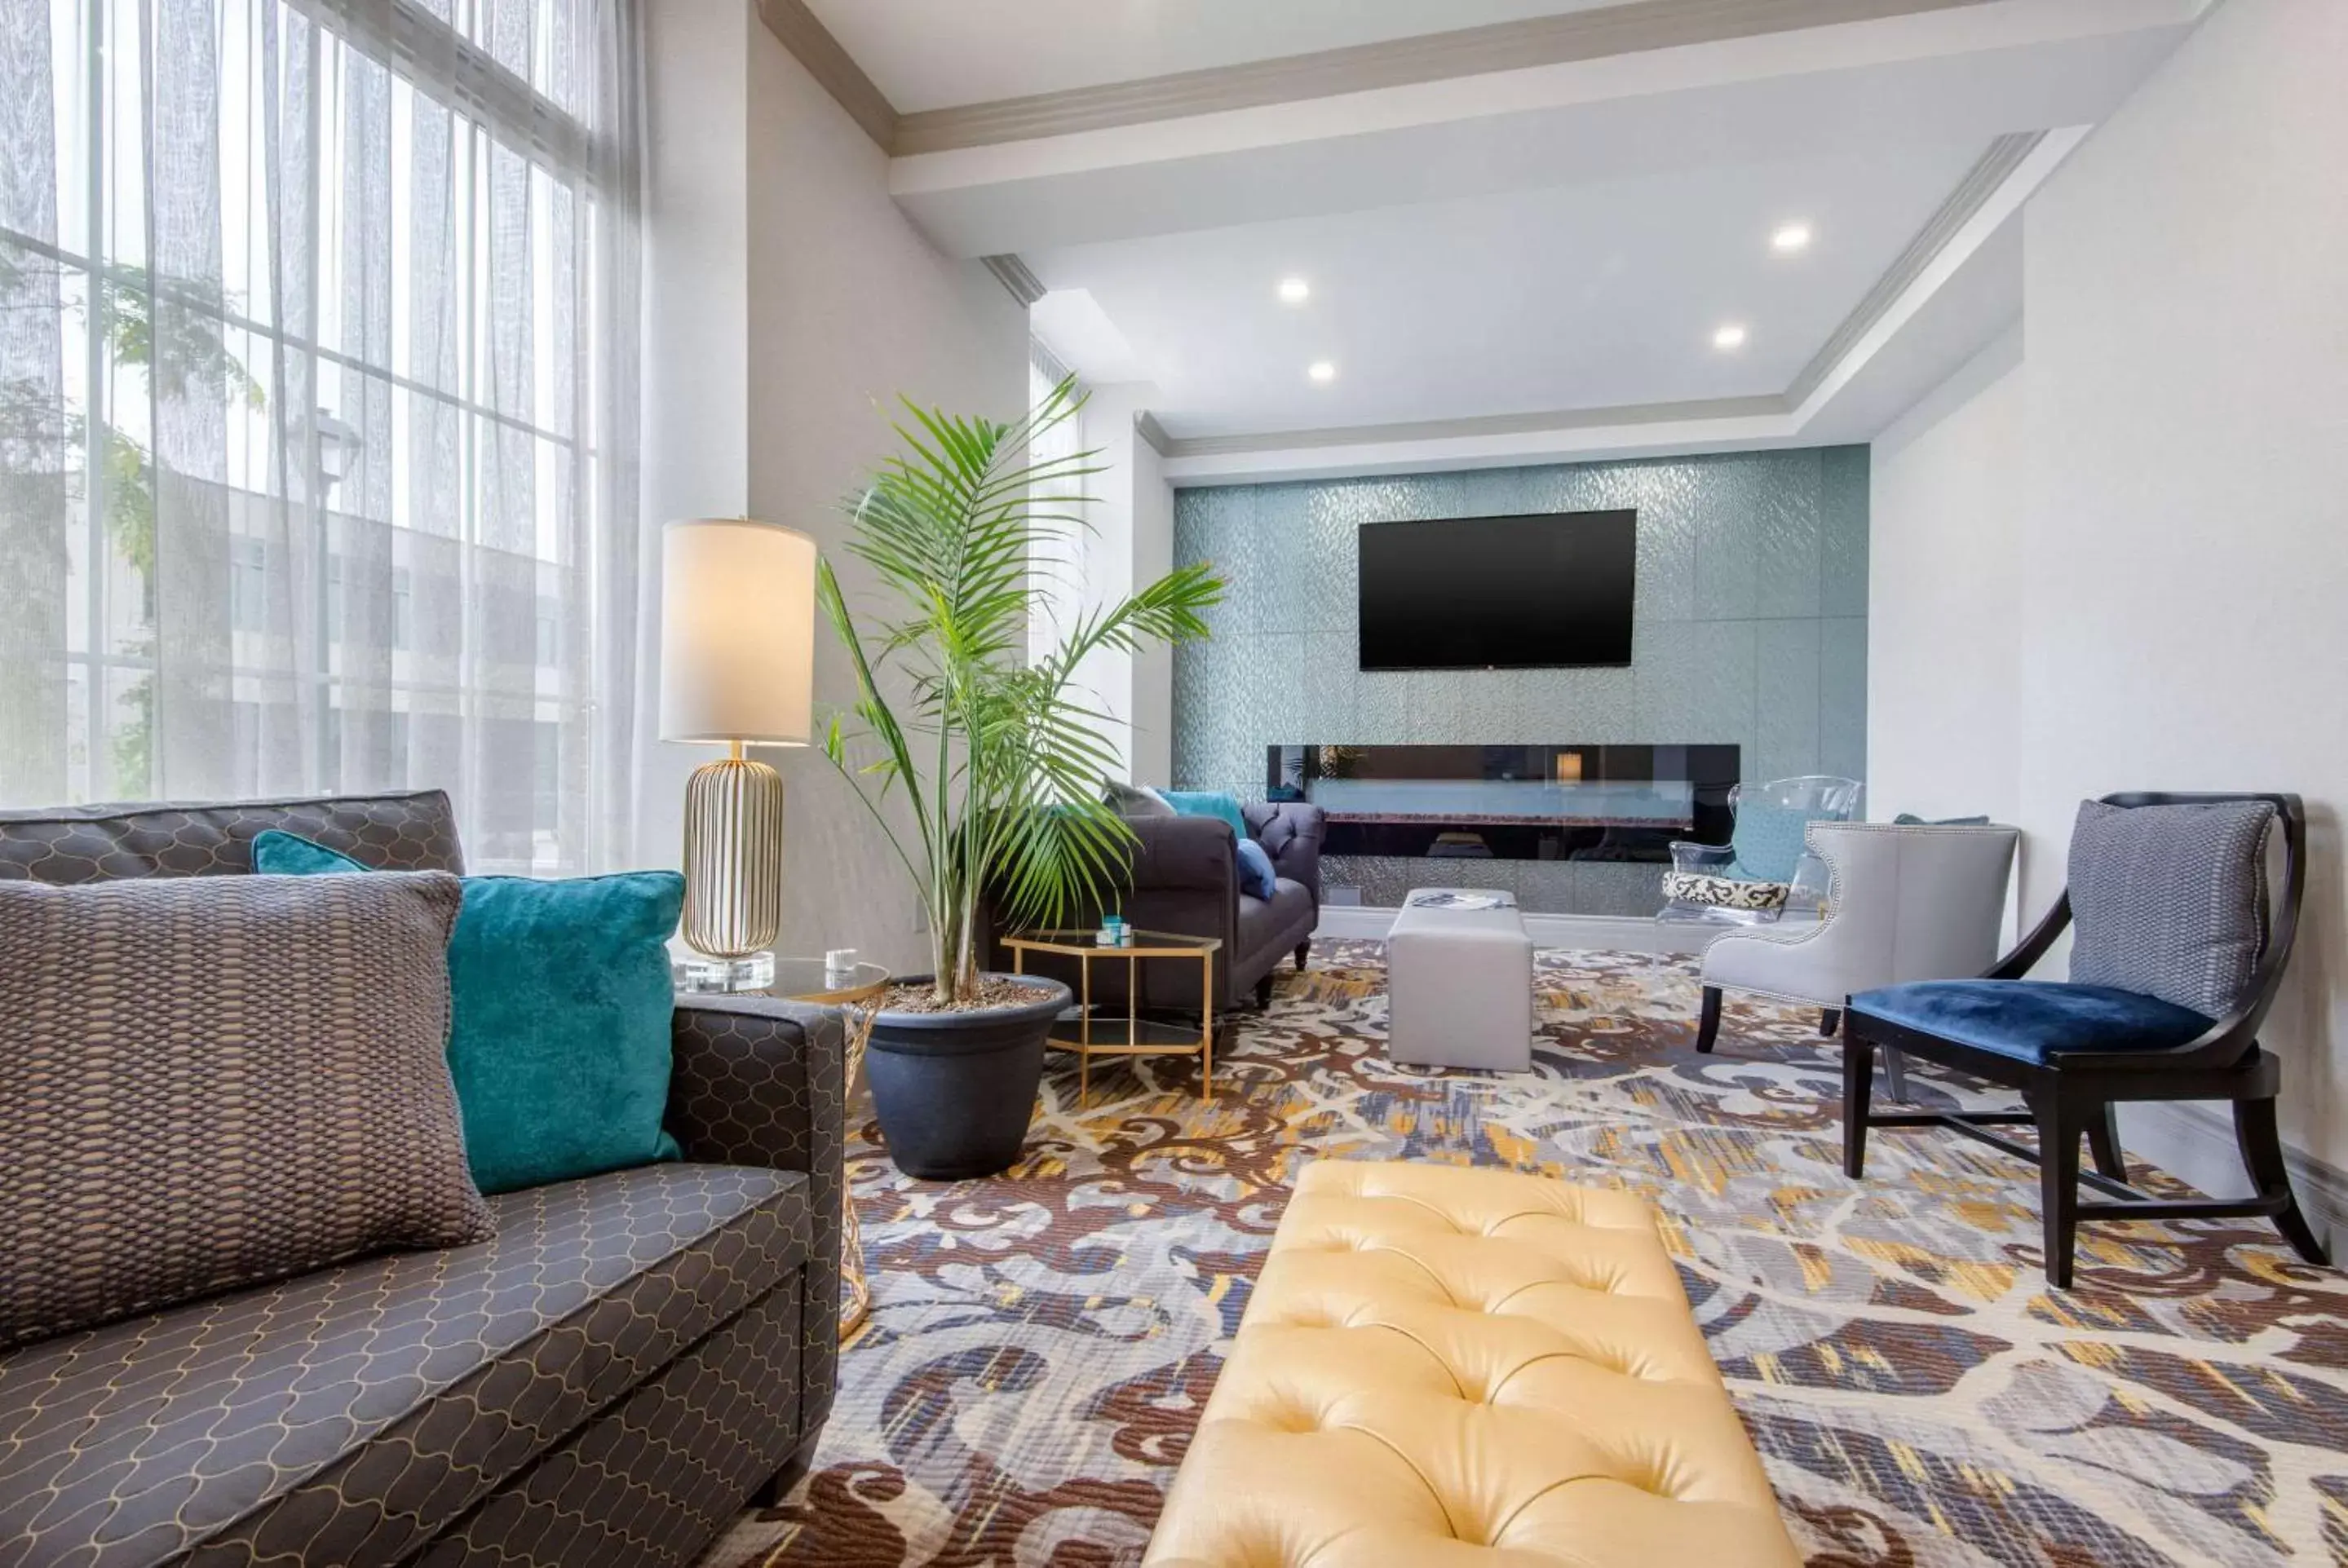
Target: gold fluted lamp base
<point>734,865</point>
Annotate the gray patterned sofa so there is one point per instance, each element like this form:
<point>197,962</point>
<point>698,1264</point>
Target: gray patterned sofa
<point>632,1358</point>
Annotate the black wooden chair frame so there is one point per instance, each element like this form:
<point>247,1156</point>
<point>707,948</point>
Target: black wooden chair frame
<point>2072,1093</point>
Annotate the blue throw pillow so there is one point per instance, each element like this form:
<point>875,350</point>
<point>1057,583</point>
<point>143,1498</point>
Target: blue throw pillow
<point>561,1005</point>
<point>1769,841</point>
<point>1255,870</point>
<point>1207,803</point>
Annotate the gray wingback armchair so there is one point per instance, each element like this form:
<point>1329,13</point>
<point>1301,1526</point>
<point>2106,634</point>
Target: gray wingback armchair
<point>1905,903</point>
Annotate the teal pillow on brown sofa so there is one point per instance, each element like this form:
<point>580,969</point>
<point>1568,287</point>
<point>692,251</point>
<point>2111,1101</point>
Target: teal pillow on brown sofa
<point>215,1081</point>
<point>563,1007</point>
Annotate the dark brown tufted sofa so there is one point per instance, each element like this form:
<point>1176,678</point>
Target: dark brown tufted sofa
<point>1183,876</point>
<point>633,1356</point>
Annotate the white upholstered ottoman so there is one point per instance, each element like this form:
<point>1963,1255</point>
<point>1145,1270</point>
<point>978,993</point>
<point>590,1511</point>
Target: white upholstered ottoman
<point>1459,981</point>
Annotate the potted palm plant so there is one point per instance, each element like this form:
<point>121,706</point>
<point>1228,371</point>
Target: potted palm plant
<point>981,764</point>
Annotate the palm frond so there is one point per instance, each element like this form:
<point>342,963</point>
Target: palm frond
<point>952,525</point>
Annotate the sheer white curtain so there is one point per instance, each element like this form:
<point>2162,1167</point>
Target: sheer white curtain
<point>317,422</point>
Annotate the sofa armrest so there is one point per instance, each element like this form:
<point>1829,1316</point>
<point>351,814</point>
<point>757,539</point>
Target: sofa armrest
<point>757,1082</point>
<point>1291,833</point>
<point>754,1080</point>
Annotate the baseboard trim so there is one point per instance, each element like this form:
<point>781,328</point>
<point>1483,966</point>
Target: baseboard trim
<point>2194,1142</point>
<point>1609,933</point>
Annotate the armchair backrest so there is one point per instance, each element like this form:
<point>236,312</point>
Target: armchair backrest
<point>2235,1028</point>
<point>1915,903</point>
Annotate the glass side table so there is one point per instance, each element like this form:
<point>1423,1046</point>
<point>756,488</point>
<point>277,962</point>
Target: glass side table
<point>1091,1030</point>
<point>857,991</point>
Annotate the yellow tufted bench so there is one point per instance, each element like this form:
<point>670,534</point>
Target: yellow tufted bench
<point>1463,1368</point>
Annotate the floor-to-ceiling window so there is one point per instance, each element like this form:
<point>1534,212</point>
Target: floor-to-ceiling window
<point>316,407</point>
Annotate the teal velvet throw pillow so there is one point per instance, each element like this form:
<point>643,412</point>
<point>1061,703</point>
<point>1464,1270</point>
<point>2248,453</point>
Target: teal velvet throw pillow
<point>1207,803</point>
<point>561,1004</point>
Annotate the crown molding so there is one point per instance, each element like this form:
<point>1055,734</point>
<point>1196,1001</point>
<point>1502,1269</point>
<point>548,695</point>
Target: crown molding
<point>1041,358</point>
<point>1983,181</point>
<point>1153,435</point>
<point>834,70</point>
<point>1012,274</point>
<point>1621,29</point>
<point>2004,175</point>
<point>1478,426</point>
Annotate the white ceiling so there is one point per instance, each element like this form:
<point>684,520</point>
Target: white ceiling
<point>1552,239</point>
<point>1590,296</point>
<point>936,53</point>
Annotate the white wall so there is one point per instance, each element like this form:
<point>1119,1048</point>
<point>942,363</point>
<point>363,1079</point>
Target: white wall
<point>696,250</point>
<point>2182,600</point>
<point>1131,545</point>
<point>1152,717</point>
<point>788,303</point>
<point>1943,580</point>
<point>2186,286</point>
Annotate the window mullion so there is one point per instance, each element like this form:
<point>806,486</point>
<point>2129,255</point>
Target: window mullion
<point>157,780</point>
<point>439,61</point>
<point>472,313</point>
<point>305,421</point>
<point>95,411</point>
<point>309,347</point>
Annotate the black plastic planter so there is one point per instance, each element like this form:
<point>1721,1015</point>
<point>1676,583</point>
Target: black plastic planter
<point>955,1090</point>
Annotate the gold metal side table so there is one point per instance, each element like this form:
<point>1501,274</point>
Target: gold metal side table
<point>1099,1032</point>
<point>857,992</point>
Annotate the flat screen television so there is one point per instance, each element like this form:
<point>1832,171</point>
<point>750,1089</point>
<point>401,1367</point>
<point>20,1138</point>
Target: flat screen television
<point>1498,593</point>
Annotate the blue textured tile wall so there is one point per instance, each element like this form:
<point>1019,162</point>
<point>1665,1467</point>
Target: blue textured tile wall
<point>1750,627</point>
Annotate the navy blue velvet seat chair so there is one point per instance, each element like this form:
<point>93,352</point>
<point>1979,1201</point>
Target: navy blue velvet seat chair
<point>2182,941</point>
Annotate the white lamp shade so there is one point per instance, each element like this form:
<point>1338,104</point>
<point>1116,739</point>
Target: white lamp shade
<point>738,632</point>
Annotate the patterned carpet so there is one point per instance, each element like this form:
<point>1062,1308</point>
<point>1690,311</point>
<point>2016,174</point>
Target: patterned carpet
<point>1042,1344</point>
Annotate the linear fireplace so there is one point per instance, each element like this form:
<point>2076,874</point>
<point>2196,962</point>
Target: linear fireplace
<point>1544,803</point>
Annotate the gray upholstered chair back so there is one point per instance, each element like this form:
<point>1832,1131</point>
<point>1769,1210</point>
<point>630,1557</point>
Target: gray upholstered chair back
<point>1925,903</point>
<point>66,845</point>
<point>1905,904</point>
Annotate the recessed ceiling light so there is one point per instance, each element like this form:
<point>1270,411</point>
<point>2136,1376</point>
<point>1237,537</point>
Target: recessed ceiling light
<point>1294,290</point>
<point>1790,238</point>
<point>1729,336</point>
<point>1322,370</point>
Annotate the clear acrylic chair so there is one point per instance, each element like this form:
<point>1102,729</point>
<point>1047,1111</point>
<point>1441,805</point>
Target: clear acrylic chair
<point>1766,867</point>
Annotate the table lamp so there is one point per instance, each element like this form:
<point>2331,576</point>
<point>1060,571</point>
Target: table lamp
<point>738,654</point>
